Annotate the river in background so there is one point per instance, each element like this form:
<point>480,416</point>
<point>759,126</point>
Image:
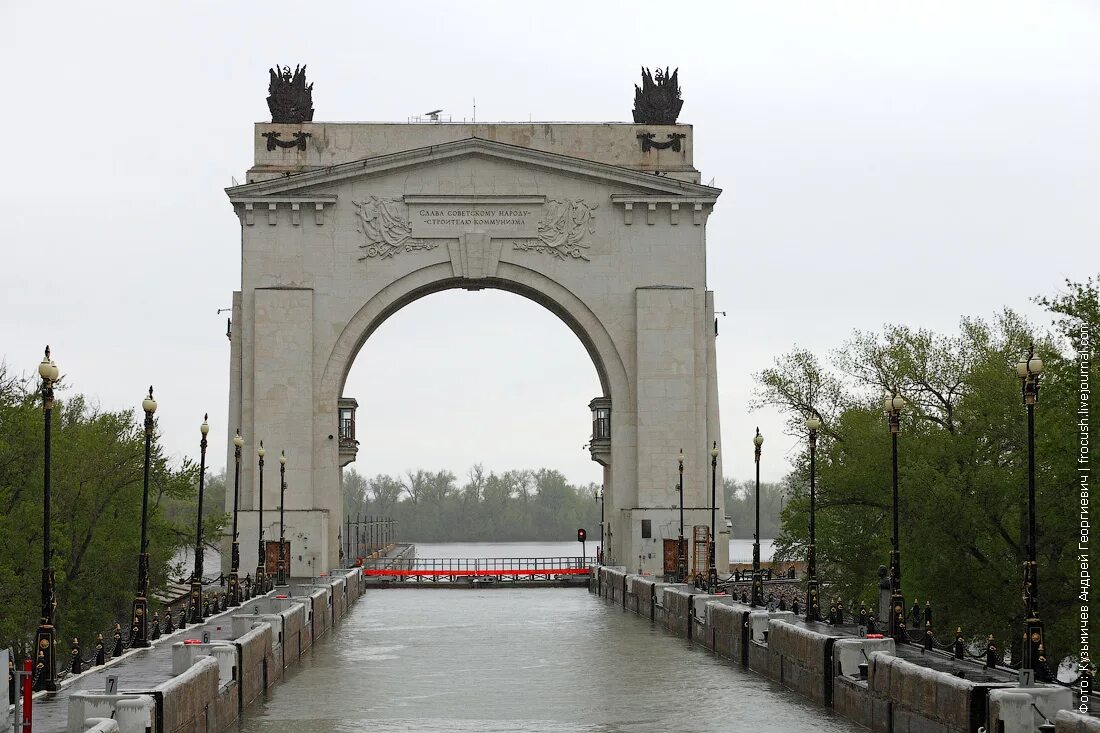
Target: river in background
<point>513,659</point>
<point>740,550</point>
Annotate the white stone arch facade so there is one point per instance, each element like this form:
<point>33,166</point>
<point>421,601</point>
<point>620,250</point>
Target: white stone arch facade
<point>606,233</point>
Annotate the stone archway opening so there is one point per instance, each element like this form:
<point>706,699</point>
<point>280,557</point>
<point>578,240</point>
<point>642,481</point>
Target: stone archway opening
<point>489,387</point>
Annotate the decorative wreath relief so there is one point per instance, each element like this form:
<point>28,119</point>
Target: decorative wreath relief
<point>562,230</point>
<point>385,224</point>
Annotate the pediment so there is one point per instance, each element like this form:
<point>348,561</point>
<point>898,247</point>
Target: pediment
<point>306,187</point>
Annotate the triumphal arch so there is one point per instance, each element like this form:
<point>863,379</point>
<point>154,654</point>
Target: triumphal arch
<point>604,224</point>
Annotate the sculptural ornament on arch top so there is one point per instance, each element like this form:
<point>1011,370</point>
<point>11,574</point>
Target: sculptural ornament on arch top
<point>343,224</point>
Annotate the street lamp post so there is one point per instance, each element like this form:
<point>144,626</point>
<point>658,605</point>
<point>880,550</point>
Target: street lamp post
<point>893,404</point>
<point>261,558</point>
<point>1028,369</point>
<point>280,571</point>
<point>196,576</point>
<point>681,546</point>
<point>757,579</point>
<point>139,629</point>
<point>235,555</point>
<point>712,570</point>
<point>813,605</point>
<point>45,638</point>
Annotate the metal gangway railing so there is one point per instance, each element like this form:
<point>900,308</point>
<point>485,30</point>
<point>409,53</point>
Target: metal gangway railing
<point>456,569</point>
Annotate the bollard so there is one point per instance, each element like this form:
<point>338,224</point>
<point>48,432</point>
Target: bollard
<point>782,603</point>
<point>154,631</point>
<point>862,613</point>
<point>100,650</point>
<point>990,652</point>
<point>169,624</point>
<point>205,606</point>
<point>117,651</point>
<point>872,624</point>
<point>183,617</point>
<point>794,607</point>
<point>928,612</point>
<point>76,664</point>
<point>28,677</point>
<point>927,637</point>
<point>960,643</point>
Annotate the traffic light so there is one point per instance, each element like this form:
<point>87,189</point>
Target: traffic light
<point>581,535</point>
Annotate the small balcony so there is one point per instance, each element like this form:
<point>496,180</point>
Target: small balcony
<point>600,444</point>
<point>349,446</point>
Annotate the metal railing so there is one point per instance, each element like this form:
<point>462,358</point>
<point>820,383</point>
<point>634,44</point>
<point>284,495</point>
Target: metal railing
<point>454,569</point>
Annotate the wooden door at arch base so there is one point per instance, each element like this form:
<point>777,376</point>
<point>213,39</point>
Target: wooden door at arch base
<point>271,560</point>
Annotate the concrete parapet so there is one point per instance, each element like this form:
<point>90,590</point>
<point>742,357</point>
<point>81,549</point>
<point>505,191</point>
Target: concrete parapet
<point>224,652</point>
<point>1072,722</point>
<point>187,699</point>
<point>800,659</point>
<point>848,654</point>
<point>729,630</point>
<point>290,628</point>
<point>677,601</point>
<point>255,656</point>
<point>909,696</point>
<point>759,620</point>
<point>1022,709</point>
<point>133,712</point>
<point>609,583</point>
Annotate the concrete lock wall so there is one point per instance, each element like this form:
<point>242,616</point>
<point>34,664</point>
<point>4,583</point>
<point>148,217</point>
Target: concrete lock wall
<point>729,630</point>
<point>797,659</point>
<point>908,696</point>
<point>214,681</point>
<point>243,622</point>
<point>255,649</point>
<point>188,699</point>
<point>321,617</point>
<point>677,614</point>
<point>896,696</point>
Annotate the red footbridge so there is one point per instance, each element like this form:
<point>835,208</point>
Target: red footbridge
<point>479,570</point>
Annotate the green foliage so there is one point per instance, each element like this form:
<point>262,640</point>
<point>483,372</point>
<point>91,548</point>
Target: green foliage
<point>741,508</point>
<point>97,460</point>
<point>962,466</point>
<point>511,506</point>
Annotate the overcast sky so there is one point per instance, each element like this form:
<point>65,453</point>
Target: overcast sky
<point>881,163</point>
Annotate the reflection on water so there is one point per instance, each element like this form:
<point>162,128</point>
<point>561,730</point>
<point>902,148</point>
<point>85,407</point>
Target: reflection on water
<point>519,660</point>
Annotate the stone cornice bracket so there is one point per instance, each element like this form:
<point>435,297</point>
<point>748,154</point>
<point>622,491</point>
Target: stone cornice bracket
<point>699,206</point>
<point>246,207</point>
<point>646,139</point>
<point>299,140</point>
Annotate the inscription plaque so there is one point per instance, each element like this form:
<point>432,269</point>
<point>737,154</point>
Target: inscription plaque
<point>434,220</point>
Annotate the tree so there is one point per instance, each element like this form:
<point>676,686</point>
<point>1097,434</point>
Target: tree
<point>511,506</point>
<point>97,472</point>
<point>962,465</point>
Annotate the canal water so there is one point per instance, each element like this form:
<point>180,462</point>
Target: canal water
<point>553,659</point>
